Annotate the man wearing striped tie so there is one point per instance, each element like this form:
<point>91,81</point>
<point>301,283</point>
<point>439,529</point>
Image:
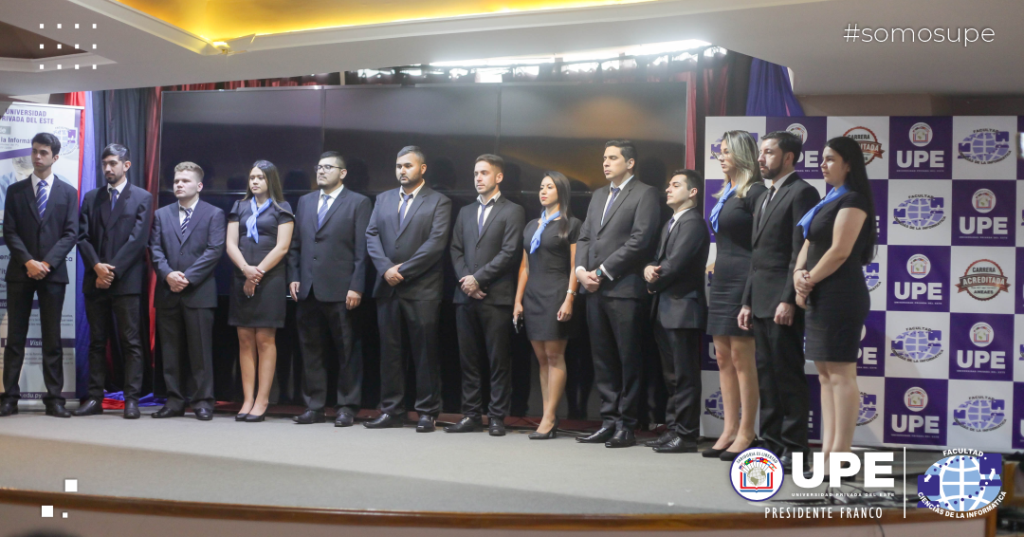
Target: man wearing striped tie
<point>40,230</point>
<point>186,243</point>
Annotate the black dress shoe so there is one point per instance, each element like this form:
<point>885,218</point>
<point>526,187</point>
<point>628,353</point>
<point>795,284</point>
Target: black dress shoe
<point>599,436</point>
<point>8,409</point>
<point>57,410</point>
<point>677,445</point>
<point>665,438</point>
<point>310,416</point>
<point>89,408</point>
<point>131,410</point>
<point>240,417</point>
<point>468,424</point>
<point>204,414</point>
<point>712,453</point>
<point>253,418</point>
<point>621,438</point>
<point>384,421</point>
<point>552,433</point>
<point>496,427</point>
<point>344,418</point>
<point>426,424</point>
<point>168,413</point>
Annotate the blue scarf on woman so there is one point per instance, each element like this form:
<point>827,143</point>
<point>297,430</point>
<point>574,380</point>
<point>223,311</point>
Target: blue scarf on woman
<point>544,221</point>
<point>729,191</point>
<point>805,222</point>
<point>250,223</point>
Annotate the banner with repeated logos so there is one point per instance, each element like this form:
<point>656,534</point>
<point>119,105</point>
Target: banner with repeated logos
<point>942,355</point>
<point>19,123</point>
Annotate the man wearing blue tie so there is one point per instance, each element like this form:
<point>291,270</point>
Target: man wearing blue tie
<point>39,229</point>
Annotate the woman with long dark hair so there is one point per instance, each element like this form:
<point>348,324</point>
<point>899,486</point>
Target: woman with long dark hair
<point>840,236</point>
<point>547,292</point>
<point>732,220</point>
<point>259,234</point>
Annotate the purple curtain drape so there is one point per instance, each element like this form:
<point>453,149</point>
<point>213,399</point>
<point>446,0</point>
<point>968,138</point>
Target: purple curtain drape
<point>771,92</point>
<point>89,168</point>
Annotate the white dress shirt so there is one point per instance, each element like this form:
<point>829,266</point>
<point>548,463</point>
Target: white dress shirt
<point>676,217</point>
<point>49,185</point>
<point>608,202</point>
<point>119,189</point>
<point>412,199</point>
<point>482,206</point>
<point>181,210</point>
<point>330,198</point>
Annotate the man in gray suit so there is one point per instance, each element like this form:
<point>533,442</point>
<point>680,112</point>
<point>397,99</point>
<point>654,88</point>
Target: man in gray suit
<point>186,243</point>
<point>406,239</point>
<point>676,279</point>
<point>487,247</point>
<point>615,243</point>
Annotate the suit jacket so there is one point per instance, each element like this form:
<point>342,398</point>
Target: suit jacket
<point>679,300</point>
<point>492,257</point>
<point>418,244</point>
<point>625,242</point>
<point>776,245</point>
<point>334,256</point>
<point>117,237</point>
<point>49,238</point>
<point>194,253</point>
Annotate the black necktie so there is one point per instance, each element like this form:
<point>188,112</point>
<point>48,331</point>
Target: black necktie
<point>764,207</point>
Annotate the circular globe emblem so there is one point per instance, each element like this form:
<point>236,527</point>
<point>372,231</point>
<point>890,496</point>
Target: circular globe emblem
<point>919,212</point>
<point>713,405</point>
<point>918,345</point>
<point>985,146</point>
<point>919,266</point>
<point>983,201</point>
<point>798,130</point>
<point>68,140</point>
<point>962,483</point>
<point>980,414</point>
<point>921,134</point>
<point>756,474</point>
<point>982,334</point>
<point>916,399</point>
<point>868,408</point>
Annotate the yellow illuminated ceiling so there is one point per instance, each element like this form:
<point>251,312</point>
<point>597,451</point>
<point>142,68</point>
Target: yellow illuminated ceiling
<point>222,20</point>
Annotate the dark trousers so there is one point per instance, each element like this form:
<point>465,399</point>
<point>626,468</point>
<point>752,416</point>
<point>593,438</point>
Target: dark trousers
<point>102,311</point>
<point>186,341</point>
<point>19,309</point>
<point>616,335</point>
<point>680,367</point>
<point>317,320</point>
<point>785,396</point>
<point>484,331</point>
<point>417,318</point>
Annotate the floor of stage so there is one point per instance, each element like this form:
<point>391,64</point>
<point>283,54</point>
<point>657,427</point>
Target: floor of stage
<point>280,463</point>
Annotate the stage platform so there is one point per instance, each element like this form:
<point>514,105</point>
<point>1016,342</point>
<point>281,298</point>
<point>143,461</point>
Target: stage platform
<point>319,468</point>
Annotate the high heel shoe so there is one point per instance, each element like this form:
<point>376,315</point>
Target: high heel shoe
<point>252,418</point>
<point>240,417</point>
<point>545,436</point>
<point>712,453</point>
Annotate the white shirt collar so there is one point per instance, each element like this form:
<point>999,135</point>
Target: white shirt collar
<point>678,214</point>
<point>493,198</point>
<point>120,189</point>
<point>333,195</point>
<point>36,179</point>
<point>414,192</point>
<point>193,206</point>
<point>623,185</point>
<point>778,182</point>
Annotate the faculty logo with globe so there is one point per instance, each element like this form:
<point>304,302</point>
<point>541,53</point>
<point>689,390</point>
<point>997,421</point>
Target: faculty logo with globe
<point>919,212</point>
<point>713,405</point>
<point>868,408</point>
<point>985,146</point>
<point>917,344</point>
<point>980,414</point>
<point>962,482</point>
<point>756,474</point>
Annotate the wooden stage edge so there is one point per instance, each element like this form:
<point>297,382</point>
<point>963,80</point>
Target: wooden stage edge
<point>455,520</point>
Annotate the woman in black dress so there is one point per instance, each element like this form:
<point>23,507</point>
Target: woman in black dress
<point>732,220</point>
<point>547,291</point>
<point>259,234</point>
<point>840,238</point>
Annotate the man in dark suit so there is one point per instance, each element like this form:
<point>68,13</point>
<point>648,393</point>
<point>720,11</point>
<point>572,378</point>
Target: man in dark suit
<point>406,238</point>
<point>327,271</point>
<point>615,243</point>
<point>187,243</point>
<point>676,279</point>
<point>39,229</point>
<point>486,250</point>
<point>113,231</point>
<point>769,301</point>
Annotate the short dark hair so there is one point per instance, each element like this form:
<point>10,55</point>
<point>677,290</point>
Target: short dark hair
<point>788,143</point>
<point>116,150</point>
<point>494,160</point>
<point>334,155</point>
<point>412,149</point>
<point>625,146</point>
<point>47,139</point>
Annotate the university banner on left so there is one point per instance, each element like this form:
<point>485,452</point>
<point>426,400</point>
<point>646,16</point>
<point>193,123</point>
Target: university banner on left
<point>19,123</point>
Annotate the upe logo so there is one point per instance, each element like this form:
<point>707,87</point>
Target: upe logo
<point>921,134</point>
<point>983,201</point>
<point>966,483</point>
<point>920,211</point>
<point>713,405</point>
<point>868,408</point>
<point>915,399</point>
<point>985,146</point>
<point>756,474</point>
<point>980,414</point>
<point>917,344</point>
<point>982,334</point>
<point>869,143</point>
<point>983,280</point>
<point>871,276</point>
<point>919,266</point>
<point>799,130</point>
